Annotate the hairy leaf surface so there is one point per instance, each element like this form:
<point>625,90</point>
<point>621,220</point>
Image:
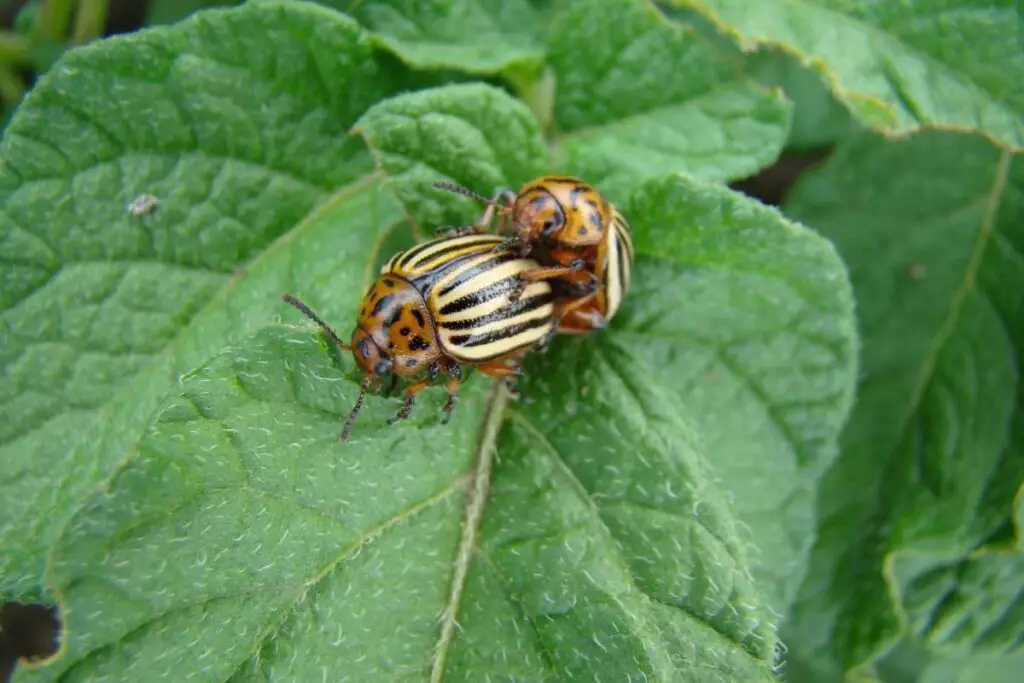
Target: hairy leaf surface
<point>236,122</point>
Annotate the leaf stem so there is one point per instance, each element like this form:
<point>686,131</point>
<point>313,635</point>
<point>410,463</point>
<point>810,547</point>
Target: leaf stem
<point>54,19</point>
<point>14,48</point>
<point>90,20</point>
<point>475,505</point>
<point>11,86</point>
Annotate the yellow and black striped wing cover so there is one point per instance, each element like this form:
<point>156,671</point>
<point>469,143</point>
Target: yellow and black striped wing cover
<point>466,284</point>
<point>618,265</point>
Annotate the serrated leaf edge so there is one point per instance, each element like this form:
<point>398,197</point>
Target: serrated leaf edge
<point>848,96</point>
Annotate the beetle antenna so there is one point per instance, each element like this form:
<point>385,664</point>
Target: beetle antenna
<point>459,189</point>
<point>363,386</point>
<point>308,312</point>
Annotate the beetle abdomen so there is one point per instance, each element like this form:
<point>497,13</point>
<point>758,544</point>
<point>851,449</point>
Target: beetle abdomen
<point>466,283</point>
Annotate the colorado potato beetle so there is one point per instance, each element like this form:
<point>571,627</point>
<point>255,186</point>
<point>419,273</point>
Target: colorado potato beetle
<point>439,305</point>
<point>582,242</point>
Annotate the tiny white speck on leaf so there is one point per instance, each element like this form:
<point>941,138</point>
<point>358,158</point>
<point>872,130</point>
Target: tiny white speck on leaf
<point>142,205</point>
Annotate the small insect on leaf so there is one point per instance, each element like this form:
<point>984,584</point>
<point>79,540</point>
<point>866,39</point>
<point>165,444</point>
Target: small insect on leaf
<point>142,205</point>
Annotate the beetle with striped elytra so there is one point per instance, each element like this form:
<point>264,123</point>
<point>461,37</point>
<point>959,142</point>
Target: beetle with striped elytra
<point>438,306</point>
<point>582,242</point>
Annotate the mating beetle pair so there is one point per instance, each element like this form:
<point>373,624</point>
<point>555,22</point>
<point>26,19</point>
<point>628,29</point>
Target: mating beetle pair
<point>485,300</point>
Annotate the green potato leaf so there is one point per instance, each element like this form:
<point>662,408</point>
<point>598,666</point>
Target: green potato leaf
<point>762,356</point>
<point>819,119</point>
<point>472,134</point>
<point>913,662</point>
<point>899,66</point>
<point>171,453</point>
<point>236,121</point>
<point>931,459</point>
<point>623,95</point>
<point>389,557</point>
<point>639,96</point>
<point>477,36</point>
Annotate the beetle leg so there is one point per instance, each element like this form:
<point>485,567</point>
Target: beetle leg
<point>452,387</point>
<point>456,230</point>
<point>538,274</point>
<point>594,320</point>
<point>506,373</point>
<point>485,220</point>
<point>501,203</point>
<point>410,399</point>
<point>545,343</point>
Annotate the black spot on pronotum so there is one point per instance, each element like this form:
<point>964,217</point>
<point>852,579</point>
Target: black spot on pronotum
<point>388,283</point>
<point>419,317</point>
<point>404,331</point>
<point>418,344</point>
<point>411,362</point>
<point>583,230</point>
<point>394,317</point>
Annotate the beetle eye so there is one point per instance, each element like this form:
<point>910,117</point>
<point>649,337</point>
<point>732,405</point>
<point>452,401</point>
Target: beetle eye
<point>550,224</point>
<point>383,366</point>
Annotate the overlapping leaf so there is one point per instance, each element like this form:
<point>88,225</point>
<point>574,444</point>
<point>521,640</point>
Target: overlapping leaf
<point>930,464</point>
<point>236,122</point>
<point>627,94</point>
<point>911,662</point>
<point>639,96</point>
<point>900,65</point>
<point>473,134</point>
<point>818,118</point>
<point>477,36</point>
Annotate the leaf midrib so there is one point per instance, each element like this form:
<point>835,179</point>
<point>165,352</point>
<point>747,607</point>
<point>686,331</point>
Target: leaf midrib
<point>353,548</point>
<point>927,369</point>
<point>986,228</point>
<point>483,464</point>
